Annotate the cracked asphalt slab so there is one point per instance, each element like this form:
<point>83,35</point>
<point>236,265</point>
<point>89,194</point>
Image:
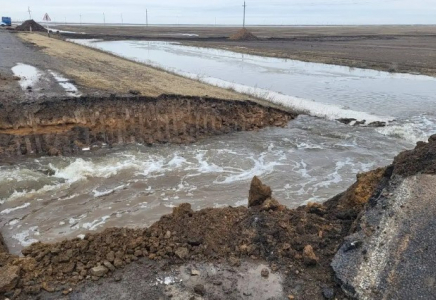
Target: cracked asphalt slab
<point>393,254</point>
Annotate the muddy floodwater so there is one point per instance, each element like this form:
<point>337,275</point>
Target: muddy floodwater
<point>312,159</point>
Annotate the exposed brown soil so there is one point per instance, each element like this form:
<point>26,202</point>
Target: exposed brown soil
<point>243,35</point>
<point>66,126</point>
<point>31,25</point>
<point>420,160</point>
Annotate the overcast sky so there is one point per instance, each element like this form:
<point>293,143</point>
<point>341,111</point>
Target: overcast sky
<point>268,12</point>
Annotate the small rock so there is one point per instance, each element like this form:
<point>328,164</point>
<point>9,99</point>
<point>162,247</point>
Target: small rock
<point>45,286</point>
<point>234,261</point>
<point>195,273</point>
<point>138,253</point>
<point>32,290</point>
<point>118,262</point>
<point>66,292</point>
<point>9,276</point>
<point>199,289</point>
<point>328,293</point>
<point>274,267</point>
<point>258,192</point>
<point>99,271</point>
<point>109,265</point>
<point>118,277</point>
<point>168,234</point>
<point>290,297</point>
<point>309,257</point>
<point>182,252</point>
<point>264,273</point>
<point>134,92</point>
<point>110,256</point>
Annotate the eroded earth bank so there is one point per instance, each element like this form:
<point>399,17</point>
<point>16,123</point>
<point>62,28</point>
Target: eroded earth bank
<point>377,236</point>
<point>70,126</point>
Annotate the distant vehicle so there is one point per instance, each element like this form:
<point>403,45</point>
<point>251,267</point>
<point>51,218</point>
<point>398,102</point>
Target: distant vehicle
<point>7,21</point>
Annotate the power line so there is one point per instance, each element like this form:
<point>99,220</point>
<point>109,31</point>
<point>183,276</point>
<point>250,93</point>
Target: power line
<point>30,15</point>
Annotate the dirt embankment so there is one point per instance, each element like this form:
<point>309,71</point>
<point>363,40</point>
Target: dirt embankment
<point>69,126</point>
<point>98,72</point>
<point>304,239</point>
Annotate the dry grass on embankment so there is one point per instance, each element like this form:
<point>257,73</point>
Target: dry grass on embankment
<point>97,70</point>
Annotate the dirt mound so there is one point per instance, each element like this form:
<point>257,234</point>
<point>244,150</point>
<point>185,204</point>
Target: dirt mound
<point>243,35</point>
<point>266,231</point>
<point>31,24</point>
<point>90,122</point>
<point>422,159</point>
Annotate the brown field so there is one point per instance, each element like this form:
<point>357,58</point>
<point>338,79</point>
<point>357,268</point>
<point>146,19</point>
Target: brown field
<point>389,48</point>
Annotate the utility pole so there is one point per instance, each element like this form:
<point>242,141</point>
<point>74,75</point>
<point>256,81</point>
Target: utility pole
<point>243,23</point>
<point>65,20</point>
<point>146,17</point>
<point>80,19</point>
<point>122,20</point>
<point>104,19</point>
<point>30,15</point>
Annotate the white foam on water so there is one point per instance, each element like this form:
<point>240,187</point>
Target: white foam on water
<point>81,169</point>
<point>14,222</point>
<point>414,130</point>
<point>97,193</point>
<point>70,88</point>
<point>243,202</point>
<point>9,210</point>
<point>96,223</point>
<point>204,166</point>
<point>334,177</point>
<point>24,237</point>
<point>29,75</point>
<point>260,168</point>
<point>316,109</point>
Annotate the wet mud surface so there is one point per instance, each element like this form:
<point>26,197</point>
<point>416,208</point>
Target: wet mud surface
<point>69,126</point>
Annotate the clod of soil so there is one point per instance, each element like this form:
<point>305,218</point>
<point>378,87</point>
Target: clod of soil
<point>31,25</point>
<point>243,35</point>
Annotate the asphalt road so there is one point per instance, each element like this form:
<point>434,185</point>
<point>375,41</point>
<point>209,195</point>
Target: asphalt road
<point>12,52</point>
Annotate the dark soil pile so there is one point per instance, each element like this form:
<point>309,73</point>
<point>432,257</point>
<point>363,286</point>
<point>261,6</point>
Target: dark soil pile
<point>31,24</point>
<point>422,159</point>
<point>123,120</point>
<point>243,35</point>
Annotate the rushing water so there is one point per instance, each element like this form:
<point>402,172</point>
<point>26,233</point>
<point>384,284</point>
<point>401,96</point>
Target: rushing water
<point>311,160</point>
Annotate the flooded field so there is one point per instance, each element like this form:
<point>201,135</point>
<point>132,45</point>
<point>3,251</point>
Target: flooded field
<point>312,159</point>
